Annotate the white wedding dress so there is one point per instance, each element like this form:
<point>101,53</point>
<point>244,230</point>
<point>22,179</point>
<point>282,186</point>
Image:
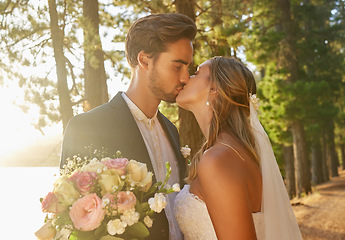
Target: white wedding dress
<point>195,222</point>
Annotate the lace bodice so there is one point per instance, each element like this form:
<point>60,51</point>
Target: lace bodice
<point>194,221</point>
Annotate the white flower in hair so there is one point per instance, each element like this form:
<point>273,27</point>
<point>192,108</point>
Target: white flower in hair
<point>255,101</point>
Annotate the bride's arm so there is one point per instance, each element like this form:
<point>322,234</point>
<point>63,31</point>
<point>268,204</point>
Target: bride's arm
<point>223,186</point>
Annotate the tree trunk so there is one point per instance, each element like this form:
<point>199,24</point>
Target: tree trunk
<point>289,171</point>
<point>96,90</point>
<point>185,7</point>
<point>333,154</point>
<point>288,61</point>
<point>316,163</point>
<point>57,36</point>
<point>324,158</point>
<point>220,47</point>
<point>190,132</point>
<point>342,149</point>
<point>302,169</point>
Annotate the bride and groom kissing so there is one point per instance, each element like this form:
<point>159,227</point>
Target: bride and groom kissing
<point>234,190</point>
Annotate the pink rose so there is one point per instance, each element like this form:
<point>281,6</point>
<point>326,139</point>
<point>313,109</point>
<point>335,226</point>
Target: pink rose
<point>117,164</point>
<point>87,212</point>
<point>51,204</point>
<point>84,181</point>
<point>126,200</point>
<point>74,176</point>
<point>123,200</point>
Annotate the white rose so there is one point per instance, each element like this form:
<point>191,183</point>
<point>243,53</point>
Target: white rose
<point>105,159</point>
<point>46,232</point>
<point>185,151</point>
<point>148,221</point>
<point>138,175</point>
<point>158,203</point>
<point>65,191</point>
<point>176,187</point>
<point>93,166</point>
<point>108,182</point>
<point>116,227</point>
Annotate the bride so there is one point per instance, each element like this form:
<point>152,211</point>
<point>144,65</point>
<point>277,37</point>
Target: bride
<point>235,188</point>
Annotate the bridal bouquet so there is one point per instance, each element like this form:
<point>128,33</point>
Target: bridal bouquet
<point>107,199</point>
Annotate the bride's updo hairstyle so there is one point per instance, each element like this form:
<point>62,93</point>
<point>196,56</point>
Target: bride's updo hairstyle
<point>234,83</point>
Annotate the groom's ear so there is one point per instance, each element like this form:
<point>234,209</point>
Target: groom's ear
<point>143,60</point>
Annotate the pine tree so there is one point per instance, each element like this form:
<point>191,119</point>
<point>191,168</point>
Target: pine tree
<point>96,91</point>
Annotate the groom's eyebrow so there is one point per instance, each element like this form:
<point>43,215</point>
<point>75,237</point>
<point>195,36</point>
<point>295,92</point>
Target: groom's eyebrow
<point>181,61</point>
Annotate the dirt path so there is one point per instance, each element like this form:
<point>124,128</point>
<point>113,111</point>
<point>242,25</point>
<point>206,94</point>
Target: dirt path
<point>321,215</point>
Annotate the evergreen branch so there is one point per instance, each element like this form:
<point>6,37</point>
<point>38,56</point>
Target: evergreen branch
<point>204,10</point>
<point>108,57</point>
<point>40,44</point>
<point>26,36</point>
<point>70,50</point>
<point>3,12</point>
<point>152,10</point>
<point>51,69</point>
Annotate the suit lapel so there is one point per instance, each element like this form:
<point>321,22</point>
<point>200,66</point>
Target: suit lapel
<point>130,133</point>
<point>175,143</point>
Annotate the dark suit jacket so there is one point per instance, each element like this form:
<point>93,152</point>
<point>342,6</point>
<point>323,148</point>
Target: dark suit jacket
<point>113,127</point>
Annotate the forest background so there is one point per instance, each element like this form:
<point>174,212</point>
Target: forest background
<point>295,48</point>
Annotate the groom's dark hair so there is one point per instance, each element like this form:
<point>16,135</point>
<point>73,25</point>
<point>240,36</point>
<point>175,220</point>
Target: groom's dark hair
<point>152,33</point>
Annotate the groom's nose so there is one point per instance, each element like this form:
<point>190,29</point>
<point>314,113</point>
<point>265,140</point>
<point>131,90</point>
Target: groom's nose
<point>184,77</point>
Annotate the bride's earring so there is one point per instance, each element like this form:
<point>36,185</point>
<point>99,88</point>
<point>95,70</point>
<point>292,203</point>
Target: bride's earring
<point>207,103</point>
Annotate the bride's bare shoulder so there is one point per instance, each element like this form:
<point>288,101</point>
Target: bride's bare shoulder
<point>222,164</point>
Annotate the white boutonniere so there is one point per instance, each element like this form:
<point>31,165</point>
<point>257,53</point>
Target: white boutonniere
<point>185,151</point>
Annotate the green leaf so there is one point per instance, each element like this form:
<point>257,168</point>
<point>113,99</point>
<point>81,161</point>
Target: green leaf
<point>108,237</point>
<point>73,236</point>
<point>138,230</point>
<point>89,235</point>
<point>152,189</point>
<point>141,207</point>
<point>101,230</point>
<point>145,206</point>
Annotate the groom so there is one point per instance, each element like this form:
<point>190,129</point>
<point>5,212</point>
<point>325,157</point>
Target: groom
<point>159,50</point>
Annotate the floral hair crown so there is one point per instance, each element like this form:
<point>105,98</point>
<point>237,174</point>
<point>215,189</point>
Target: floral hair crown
<point>254,100</point>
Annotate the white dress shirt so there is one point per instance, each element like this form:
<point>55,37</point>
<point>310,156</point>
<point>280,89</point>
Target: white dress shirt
<point>160,152</point>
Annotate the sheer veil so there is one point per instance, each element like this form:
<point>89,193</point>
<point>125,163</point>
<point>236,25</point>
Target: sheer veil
<point>279,219</point>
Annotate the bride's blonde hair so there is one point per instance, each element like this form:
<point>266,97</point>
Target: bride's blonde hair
<point>234,82</point>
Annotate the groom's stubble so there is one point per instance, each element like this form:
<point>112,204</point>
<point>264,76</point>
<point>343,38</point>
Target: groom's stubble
<point>156,84</point>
